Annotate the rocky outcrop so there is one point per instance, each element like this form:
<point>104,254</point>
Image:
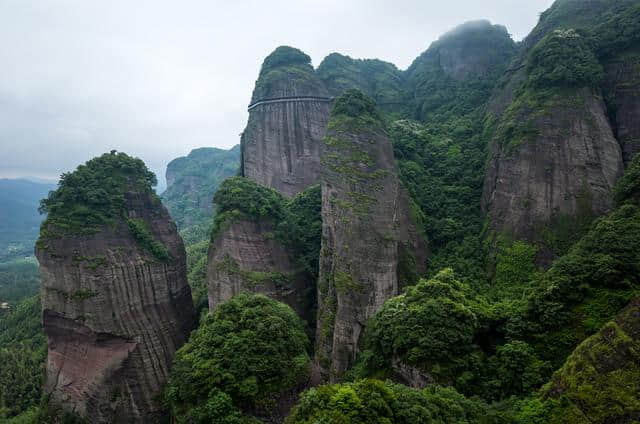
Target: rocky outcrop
<point>603,371</point>
<point>287,120</point>
<point>565,165</point>
<point>246,257</point>
<point>554,157</point>
<point>114,314</point>
<point>362,209</point>
<point>192,180</point>
<point>622,90</point>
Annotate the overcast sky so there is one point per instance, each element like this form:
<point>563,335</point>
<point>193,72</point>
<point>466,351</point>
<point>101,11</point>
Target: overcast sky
<point>156,78</point>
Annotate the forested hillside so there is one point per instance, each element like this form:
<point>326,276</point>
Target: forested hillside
<point>457,242</point>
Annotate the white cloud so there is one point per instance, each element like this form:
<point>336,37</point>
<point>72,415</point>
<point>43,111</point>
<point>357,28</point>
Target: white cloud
<point>158,78</point>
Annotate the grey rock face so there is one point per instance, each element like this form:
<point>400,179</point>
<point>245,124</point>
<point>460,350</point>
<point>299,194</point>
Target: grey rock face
<point>362,202</point>
<point>246,258</point>
<point>281,144</point>
<point>192,180</point>
<point>567,167</point>
<point>114,317</point>
<point>622,88</point>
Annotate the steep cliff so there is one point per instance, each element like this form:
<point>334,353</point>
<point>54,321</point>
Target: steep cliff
<point>115,299</point>
<point>192,180</point>
<point>264,243</point>
<point>287,120</point>
<point>380,80</point>
<point>363,207</point>
<point>565,121</point>
<point>458,71</point>
<point>622,90</point>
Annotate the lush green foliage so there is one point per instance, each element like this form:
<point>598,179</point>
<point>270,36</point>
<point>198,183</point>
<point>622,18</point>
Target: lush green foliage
<point>380,80</point>
<point>19,278</point>
<point>239,196</point>
<point>355,104</point>
<point>599,382</point>
<point>628,188</point>
<point>372,401</point>
<point>297,220</point>
<point>431,323</point>
<point>23,351</point>
<point>585,288</point>
<point>195,179</point>
<point>283,56</point>
<point>243,355</point>
<point>197,274</point>
<point>563,58</point>
<point>93,195</point>
<point>441,164</point>
<point>140,231</point>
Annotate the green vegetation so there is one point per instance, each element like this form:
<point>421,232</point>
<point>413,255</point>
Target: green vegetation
<point>140,231</point>
<point>599,382</point>
<point>437,93</point>
<point>297,220</point>
<point>23,351</point>
<point>94,195</point>
<point>429,326</point>
<point>372,401</point>
<point>563,58</point>
<point>194,180</point>
<point>241,358</point>
<point>380,80</point>
<point>19,278</point>
<point>283,69</point>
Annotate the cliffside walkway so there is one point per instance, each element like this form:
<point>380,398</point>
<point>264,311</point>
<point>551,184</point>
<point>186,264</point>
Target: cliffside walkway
<point>289,99</point>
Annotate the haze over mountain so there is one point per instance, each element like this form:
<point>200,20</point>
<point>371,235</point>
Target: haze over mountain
<point>157,79</point>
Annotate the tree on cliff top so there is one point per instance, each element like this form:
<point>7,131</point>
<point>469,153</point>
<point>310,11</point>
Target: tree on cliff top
<point>93,194</point>
<point>242,357</point>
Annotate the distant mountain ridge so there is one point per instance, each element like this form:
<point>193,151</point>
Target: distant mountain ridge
<point>19,217</point>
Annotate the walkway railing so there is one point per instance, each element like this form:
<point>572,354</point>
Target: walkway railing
<point>289,99</point>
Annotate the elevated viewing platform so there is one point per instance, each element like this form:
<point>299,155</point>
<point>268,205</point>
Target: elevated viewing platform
<point>289,99</point>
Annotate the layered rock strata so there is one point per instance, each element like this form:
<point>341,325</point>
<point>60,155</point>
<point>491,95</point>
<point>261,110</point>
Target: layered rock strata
<point>246,257</point>
<point>114,315</point>
<point>287,120</point>
<point>362,211</point>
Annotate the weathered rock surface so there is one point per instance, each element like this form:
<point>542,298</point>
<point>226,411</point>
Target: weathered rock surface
<point>567,167</point>
<point>600,381</point>
<point>281,143</point>
<point>247,258</point>
<point>361,215</point>
<point>114,316</point>
<point>622,88</point>
<point>192,180</point>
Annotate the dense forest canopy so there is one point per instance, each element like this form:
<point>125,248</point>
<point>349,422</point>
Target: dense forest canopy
<point>491,333</point>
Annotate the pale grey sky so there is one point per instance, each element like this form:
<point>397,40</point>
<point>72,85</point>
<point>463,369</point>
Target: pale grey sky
<point>156,78</point>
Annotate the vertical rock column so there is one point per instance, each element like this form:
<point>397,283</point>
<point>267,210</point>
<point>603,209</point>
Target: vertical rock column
<point>287,121</point>
<point>114,314</point>
<point>361,214</point>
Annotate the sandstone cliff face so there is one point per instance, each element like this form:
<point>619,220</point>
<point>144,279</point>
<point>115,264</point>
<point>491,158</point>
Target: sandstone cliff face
<point>247,258</point>
<point>361,236</point>
<point>280,146</point>
<point>622,88</point>
<point>114,316</point>
<point>566,166</point>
